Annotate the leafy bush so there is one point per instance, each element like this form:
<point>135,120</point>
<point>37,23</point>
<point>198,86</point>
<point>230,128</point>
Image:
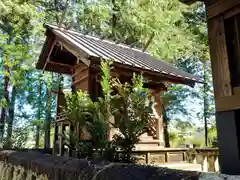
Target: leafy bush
<point>131,106</point>
<point>82,112</point>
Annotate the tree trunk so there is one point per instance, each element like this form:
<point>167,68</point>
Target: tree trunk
<point>165,128</point>
<point>2,123</point>
<point>3,111</point>
<point>205,103</point>
<point>37,136</point>
<point>47,123</point>
<point>11,116</point>
<point>114,18</point>
<point>48,119</point>
<point>39,111</point>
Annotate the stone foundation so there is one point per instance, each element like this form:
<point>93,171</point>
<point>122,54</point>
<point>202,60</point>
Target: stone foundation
<point>37,166</point>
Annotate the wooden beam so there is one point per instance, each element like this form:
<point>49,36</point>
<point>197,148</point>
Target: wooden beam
<point>52,44</point>
<point>232,12</point>
<point>221,7</point>
<point>80,71</point>
<point>219,57</point>
<point>80,80</point>
<point>80,54</point>
<point>60,64</point>
<point>228,103</point>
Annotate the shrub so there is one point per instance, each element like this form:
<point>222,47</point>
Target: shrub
<point>132,109</point>
<point>131,106</point>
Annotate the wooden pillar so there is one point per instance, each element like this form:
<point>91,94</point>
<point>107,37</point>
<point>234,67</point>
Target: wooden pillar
<point>222,48</point>
<point>216,165</point>
<point>78,135</point>
<point>223,18</point>
<point>111,129</point>
<point>60,137</point>
<point>205,163</point>
<point>71,129</point>
<point>55,139</point>
<point>158,115</point>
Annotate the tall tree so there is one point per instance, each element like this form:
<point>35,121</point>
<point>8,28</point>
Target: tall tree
<point>16,28</point>
<point>39,109</point>
<point>180,33</point>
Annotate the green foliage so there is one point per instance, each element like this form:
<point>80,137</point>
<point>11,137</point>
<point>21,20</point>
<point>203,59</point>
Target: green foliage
<point>20,137</point>
<point>131,106</point>
<point>180,34</point>
<point>132,112</point>
<point>212,136</point>
<point>82,112</point>
<point>79,107</point>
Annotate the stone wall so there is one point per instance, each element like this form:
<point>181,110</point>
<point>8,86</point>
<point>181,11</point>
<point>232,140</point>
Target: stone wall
<point>37,166</point>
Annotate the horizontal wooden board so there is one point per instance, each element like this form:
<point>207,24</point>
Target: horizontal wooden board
<point>81,75</point>
<point>228,103</point>
<point>78,72</point>
<point>221,7</point>
<point>232,12</point>
<point>83,85</point>
<point>80,80</point>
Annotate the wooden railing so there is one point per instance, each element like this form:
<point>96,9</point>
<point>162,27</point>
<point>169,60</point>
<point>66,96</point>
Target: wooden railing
<point>61,117</point>
<point>207,158</point>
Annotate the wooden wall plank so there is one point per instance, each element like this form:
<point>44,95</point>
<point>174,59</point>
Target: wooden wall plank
<point>219,57</point>
<point>80,78</point>
<point>232,12</point>
<point>221,7</point>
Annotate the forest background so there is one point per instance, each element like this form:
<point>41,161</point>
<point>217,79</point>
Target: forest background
<point>27,103</point>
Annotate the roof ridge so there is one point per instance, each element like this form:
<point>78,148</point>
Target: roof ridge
<point>97,38</point>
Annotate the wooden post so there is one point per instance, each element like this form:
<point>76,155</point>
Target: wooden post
<point>78,137</point>
<point>195,159</point>
<point>60,137</point>
<point>227,117</point>
<point>158,115</point>
<point>216,165</point>
<point>110,129</point>
<point>55,139</point>
<point>205,163</point>
<point>223,31</point>
<point>166,157</point>
<point>71,128</point>
<point>211,161</point>
<point>147,157</point>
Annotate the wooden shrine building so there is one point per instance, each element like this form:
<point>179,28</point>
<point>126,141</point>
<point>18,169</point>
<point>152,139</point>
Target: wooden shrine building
<point>223,20</point>
<point>79,56</point>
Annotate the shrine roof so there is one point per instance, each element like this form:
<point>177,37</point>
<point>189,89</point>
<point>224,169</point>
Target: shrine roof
<point>119,53</point>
